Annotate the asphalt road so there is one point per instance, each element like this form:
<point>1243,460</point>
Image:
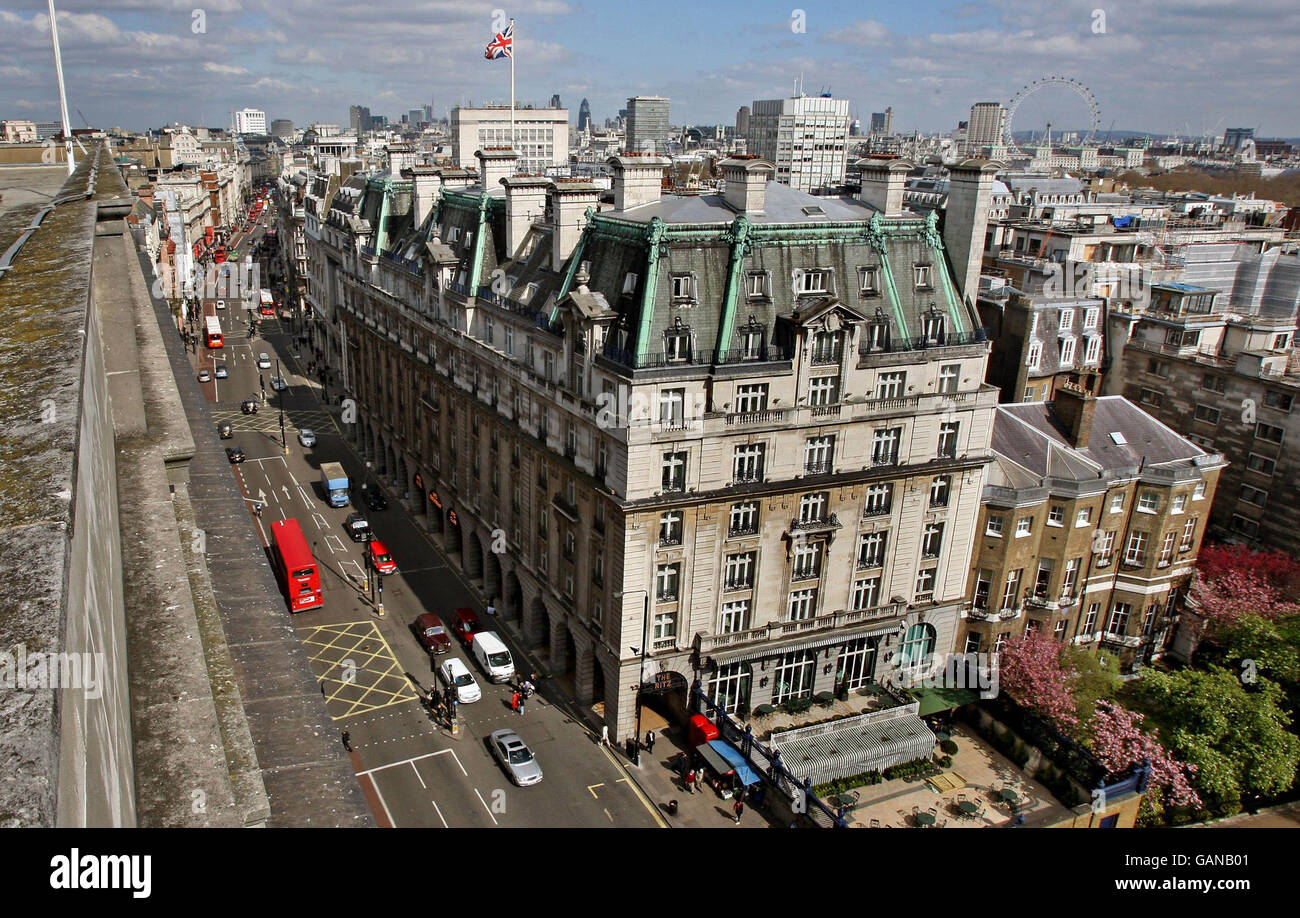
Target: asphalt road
<point>372,669</point>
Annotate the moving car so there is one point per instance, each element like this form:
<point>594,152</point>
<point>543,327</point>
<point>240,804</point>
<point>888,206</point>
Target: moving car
<point>205,376</point>
<point>375,499</point>
<point>466,624</point>
<point>263,361</point>
<point>432,633</point>
<point>516,758</point>
<point>221,372</point>
<point>225,430</point>
<point>455,674</point>
<point>493,656</point>
<point>359,528</point>
<point>278,383</point>
<point>307,437</point>
<point>248,406</point>
<point>380,558</point>
<point>221,304</point>
<point>235,454</point>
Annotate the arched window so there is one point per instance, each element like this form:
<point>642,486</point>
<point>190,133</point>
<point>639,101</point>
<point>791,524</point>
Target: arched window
<point>917,645</point>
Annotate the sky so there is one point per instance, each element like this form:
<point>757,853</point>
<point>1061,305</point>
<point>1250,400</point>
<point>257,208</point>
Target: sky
<point>1185,67</point>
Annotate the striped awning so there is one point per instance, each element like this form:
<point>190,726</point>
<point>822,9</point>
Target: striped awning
<point>857,748</point>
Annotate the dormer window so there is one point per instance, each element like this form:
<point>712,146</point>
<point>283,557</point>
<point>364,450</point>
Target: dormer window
<point>528,294</point>
<point>933,328</point>
<point>815,281</point>
<point>453,234</point>
<point>750,340</point>
<point>924,276</point>
<point>677,342</point>
<point>756,284</point>
<point>869,280</point>
<point>629,283</point>
<point>684,289</point>
<point>878,335</point>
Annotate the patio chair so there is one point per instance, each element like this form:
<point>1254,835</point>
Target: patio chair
<point>961,798</point>
<point>915,810</point>
<point>874,823</point>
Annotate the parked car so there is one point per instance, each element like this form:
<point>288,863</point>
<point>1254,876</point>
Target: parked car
<point>264,361</point>
<point>515,757</point>
<point>455,674</point>
<point>375,499</point>
<point>432,633</point>
<point>205,376</point>
<point>307,437</point>
<point>222,372</point>
<point>466,624</point>
<point>248,406</point>
<point>380,558</point>
<point>225,430</point>
<point>359,528</point>
<point>235,454</point>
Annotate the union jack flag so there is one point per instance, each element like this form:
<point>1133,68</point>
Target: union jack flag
<point>503,45</point>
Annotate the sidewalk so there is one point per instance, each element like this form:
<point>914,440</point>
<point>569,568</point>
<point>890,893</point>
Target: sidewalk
<point>704,809</point>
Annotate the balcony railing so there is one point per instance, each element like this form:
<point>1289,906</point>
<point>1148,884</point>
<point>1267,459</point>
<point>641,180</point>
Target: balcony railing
<point>827,522</point>
<point>705,357</point>
<point>776,630</point>
<point>921,343</point>
<point>738,531</point>
<point>883,510</point>
<point>738,583</point>
<point>811,572</point>
<point>818,468</point>
<point>669,541</point>
<point>664,643</point>
<point>767,416</point>
<point>743,476</point>
<point>870,561</point>
<point>821,358</point>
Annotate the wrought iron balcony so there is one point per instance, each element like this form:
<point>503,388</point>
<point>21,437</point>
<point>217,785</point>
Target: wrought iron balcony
<point>816,525</point>
<point>669,541</point>
<point>739,583</point>
<point>739,531</point>
<point>818,468</point>
<point>742,476</point>
<point>811,572</point>
<point>883,510</point>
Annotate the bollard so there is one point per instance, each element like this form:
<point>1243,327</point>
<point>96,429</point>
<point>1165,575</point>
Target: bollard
<point>672,807</point>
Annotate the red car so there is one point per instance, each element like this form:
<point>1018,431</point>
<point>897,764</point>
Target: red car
<point>432,633</point>
<point>466,624</point>
<point>380,559</point>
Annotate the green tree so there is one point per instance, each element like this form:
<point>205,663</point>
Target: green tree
<point>1237,739</point>
<point>1256,646</point>
<point>1097,679</point>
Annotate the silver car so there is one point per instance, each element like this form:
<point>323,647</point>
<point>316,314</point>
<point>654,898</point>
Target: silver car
<point>516,758</point>
<point>307,437</point>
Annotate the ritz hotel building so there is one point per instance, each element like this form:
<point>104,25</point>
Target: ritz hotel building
<point>736,437</point>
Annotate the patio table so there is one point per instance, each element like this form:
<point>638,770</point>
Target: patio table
<point>1009,796</point>
<point>924,819</point>
<point>967,808</point>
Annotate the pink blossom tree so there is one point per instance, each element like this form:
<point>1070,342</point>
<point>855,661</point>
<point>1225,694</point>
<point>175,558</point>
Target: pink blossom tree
<point>1119,743</point>
<point>1234,592</point>
<point>1030,669</point>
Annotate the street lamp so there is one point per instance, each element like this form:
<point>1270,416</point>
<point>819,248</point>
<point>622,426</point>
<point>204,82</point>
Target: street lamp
<point>283,443</point>
<point>635,748</point>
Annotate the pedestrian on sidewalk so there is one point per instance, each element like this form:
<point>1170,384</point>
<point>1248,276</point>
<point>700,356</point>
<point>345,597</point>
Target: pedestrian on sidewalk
<point>347,741</point>
<point>604,736</point>
<point>491,609</point>
<point>523,699</point>
<point>690,782</point>
<point>738,808</point>
<point>650,741</point>
<point>514,702</point>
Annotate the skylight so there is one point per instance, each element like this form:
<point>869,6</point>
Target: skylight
<point>1118,438</point>
<point>813,210</point>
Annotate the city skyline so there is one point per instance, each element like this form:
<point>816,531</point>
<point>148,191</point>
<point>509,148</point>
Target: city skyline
<point>1146,68</point>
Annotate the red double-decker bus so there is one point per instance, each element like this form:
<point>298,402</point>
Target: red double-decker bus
<point>295,566</point>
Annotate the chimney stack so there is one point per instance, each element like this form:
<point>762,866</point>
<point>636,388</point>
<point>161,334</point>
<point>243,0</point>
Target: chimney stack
<point>525,202</point>
<point>426,181</point>
<point>746,178</point>
<point>1074,407</point>
<point>494,164</point>
<point>569,203</point>
<point>883,181</point>
<point>966,219</point>
<point>401,156</point>
<point>637,179</point>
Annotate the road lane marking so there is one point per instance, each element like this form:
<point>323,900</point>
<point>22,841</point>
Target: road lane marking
<point>410,761</point>
<point>439,812</point>
<point>417,775</point>
<point>592,789</point>
<point>392,823</point>
<point>320,521</point>
<point>303,494</point>
<point>331,541</point>
<point>486,807</point>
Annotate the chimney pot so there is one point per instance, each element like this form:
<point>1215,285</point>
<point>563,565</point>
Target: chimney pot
<point>1074,407</point>
<point>638,179</point>
<point>883,181</point>
<point>746,180</point>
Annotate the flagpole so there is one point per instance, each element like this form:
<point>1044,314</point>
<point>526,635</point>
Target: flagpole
<point>513,44</point>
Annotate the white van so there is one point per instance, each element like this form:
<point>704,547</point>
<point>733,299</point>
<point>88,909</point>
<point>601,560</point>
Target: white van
<point>493,657</point>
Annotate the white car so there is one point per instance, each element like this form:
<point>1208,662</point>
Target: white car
<point>221,372</point>
<point>307,437</point>
<point>456,673</point>
<point>278,383</point>
<point>263,361</point>
<point>221,304</point>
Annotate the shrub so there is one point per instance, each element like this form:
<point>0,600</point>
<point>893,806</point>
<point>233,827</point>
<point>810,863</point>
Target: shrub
<point>949,747</point>
<point>946,761</point>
